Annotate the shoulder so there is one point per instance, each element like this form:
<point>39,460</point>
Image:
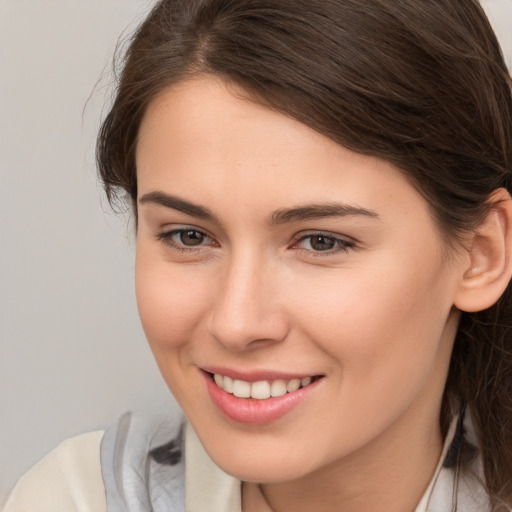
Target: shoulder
<point>136,465</point>
<point>68,479</point>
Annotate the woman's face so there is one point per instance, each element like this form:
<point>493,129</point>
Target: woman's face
<point>268,253</point>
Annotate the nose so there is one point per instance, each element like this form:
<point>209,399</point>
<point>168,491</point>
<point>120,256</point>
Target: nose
<point>247,311</point>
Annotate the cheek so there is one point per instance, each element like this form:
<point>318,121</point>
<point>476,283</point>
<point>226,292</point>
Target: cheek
<point>171,303</point>
<point>381,328</point>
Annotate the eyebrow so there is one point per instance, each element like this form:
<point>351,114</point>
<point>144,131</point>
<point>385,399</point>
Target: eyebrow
<point>319,211</point>
<point>287,215</point>
<point>194,210</point>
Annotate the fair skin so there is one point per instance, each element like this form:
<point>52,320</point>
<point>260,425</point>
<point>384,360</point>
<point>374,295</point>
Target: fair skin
<point>359,295</point>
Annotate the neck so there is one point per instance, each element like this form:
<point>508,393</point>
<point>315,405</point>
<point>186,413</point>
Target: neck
<point>390,475</point>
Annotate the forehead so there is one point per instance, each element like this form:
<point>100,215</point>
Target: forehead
<point>204,141</point>
<point>204,117</point>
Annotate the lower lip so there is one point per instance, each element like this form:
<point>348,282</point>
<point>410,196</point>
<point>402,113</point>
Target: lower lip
<point>256,412</point>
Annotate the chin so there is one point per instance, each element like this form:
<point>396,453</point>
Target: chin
<point>263,471</point>
<point>259,464</point>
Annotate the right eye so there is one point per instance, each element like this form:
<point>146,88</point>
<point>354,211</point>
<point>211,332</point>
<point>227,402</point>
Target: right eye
<point>189,237</point>
<point>185,239</point>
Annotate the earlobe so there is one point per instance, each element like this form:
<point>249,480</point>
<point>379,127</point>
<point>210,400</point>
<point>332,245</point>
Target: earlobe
<point>490,257</point>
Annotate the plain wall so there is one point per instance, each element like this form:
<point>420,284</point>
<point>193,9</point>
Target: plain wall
<point>72,355</point>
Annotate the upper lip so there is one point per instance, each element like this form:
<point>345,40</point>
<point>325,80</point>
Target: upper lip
<point>256,375</point>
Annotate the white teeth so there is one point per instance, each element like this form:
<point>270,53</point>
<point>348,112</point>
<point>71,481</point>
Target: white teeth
<point>278,388</point>
<point>260,390</point>
<point>293,385</point>
<point>241,389</point>
<point>228,384</point>
<point>305,381</point>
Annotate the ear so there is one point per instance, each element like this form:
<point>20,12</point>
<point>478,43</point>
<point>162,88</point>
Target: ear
<point>489,271</point>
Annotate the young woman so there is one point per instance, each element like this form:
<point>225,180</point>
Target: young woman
<point>324,255</point>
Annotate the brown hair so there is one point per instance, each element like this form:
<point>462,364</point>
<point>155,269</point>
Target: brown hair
<point>419,83</point>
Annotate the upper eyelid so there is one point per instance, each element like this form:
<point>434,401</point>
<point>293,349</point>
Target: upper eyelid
<point>328,234</point>
<point>183,227</point>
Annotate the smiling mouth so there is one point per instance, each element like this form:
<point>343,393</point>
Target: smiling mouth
<point>263,389</point>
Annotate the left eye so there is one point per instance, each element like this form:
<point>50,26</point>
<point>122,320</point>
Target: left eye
<point>323,243</point>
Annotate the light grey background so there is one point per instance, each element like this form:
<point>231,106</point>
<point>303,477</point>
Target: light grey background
<point>73,356</point>
<point>72,353</point>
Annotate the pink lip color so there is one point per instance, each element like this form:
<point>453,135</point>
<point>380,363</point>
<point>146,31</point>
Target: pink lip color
<point>255,412</point>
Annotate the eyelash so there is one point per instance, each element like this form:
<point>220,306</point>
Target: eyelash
<point>340,245</point>
<point>167,239</point>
